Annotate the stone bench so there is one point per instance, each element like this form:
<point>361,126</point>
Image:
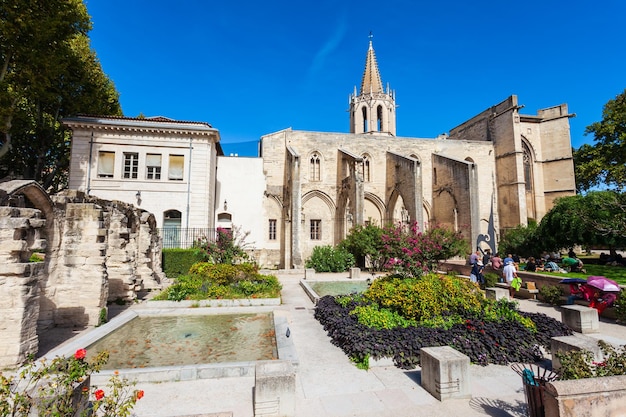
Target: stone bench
<point>496,293</point>
<point>580,318</point>
<point>445,372</point>
<point>574,342</point>
<point>609,312</point>
<point>526,293</point>
<point>522,292</point>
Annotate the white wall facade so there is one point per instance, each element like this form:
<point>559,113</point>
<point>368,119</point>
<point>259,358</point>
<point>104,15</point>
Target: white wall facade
<point>190,192</point>
<point>239,203</point>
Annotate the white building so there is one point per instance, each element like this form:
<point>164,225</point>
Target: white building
<point>164,166</point>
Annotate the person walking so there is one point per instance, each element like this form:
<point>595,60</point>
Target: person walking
<point>510,273</point>
<point>477,272</point>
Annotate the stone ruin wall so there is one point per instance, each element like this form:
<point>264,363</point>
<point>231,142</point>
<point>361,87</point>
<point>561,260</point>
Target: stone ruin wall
<point>95,252</point>
<point>19,283</point>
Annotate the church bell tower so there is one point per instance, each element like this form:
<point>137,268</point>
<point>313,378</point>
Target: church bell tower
<point>373,110</point>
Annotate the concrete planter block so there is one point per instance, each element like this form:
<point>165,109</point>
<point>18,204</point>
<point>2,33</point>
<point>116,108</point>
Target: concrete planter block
<point>445,372</point>
<point>604,396</point>
<point>355,273</point>
<point>274,389</point>
<point>309,273</point>
<point>495,293</point>
<point>575,342</point>
<point>581,319</point>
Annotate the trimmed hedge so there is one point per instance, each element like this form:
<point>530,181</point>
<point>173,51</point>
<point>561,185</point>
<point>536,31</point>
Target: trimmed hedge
<point>177,262</point>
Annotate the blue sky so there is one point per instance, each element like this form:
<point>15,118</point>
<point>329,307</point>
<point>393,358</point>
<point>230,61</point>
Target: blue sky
<point>251,68</point>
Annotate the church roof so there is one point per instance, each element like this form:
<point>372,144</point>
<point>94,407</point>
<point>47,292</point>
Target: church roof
<point>371,82</point>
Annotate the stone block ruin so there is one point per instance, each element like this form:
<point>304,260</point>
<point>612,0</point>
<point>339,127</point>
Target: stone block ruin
<point>89,253</point>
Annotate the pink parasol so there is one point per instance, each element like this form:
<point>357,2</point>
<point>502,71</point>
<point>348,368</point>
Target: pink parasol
<point>603,283</point>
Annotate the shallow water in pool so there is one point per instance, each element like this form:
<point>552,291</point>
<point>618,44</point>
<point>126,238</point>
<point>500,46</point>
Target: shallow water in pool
<point>191,339</point>
<point>323,288</point>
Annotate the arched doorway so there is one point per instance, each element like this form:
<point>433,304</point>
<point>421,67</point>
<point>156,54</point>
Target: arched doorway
<point>171,228</point>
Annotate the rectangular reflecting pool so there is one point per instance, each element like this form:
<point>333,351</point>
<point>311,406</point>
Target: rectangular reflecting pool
<point>188,340</point>
<point>323,288</point>
<point>187,343</point>
<point>317,289</point>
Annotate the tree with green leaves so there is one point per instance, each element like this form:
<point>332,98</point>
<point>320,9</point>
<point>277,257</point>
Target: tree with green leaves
<point>365,242</point>
<point>603,165</point>
<point>47,71</point>
<point>521,240</point>
<point>597,218</point>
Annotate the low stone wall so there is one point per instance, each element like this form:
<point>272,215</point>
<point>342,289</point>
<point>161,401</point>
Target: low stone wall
<point>590,397</point>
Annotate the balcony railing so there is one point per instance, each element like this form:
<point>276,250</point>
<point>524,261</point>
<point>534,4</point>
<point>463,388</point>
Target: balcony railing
<point>176,237</point>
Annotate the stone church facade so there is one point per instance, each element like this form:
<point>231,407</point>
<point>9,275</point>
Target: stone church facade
<point>491,173</point>
<point>306,189</point>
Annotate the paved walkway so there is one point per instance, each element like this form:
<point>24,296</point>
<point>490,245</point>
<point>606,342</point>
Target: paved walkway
<point>328,385</point>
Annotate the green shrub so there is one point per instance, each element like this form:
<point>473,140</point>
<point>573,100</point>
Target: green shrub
<point>427,297</point>
<point>180,290</point>
<point>228,248</point>
<point>491,278</point>
<point>214,281</point>
<point>365,242</point>
<point>36,257</point>
<point>551,294</point>
<point>412,253</point>
<point>504,310</point>
<point>329,259</point>
<point>372,316</point>
<point>620,307</point>
<point>103,317</point>
<point>219,274</point>
<point>178,261</point>
<point>522,240</point>
<point>578,364</point>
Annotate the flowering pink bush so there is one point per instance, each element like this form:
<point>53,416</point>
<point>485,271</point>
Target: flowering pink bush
<point>228,247</point>
<point>412,253</point>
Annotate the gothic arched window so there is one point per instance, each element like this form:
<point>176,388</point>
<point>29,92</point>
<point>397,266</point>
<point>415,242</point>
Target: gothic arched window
<point>315,167</point>
<point>528,168</point>
<point>379,118</point>
<point>366,168</point>
<point>365,127</point>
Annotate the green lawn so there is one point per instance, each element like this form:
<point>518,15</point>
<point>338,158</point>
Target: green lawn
<point>616,273</point>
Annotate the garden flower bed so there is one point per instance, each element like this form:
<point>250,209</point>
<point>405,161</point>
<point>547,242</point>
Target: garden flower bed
<point>486,331</point>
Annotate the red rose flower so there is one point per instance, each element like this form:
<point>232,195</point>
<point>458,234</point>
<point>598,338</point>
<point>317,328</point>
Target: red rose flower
<point>139,394</point>
<point>80,354</point>
<point>99,394</point>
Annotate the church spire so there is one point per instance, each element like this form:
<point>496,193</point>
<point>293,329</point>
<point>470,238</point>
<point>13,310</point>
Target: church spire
<point>373,110</point>
<point>371,82</point>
